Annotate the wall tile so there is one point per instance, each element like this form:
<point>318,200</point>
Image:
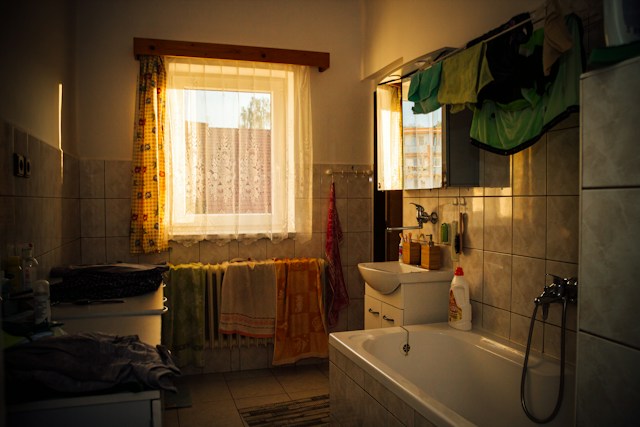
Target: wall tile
<point>562,228</point>
<point>256,250</point>
<point>529,226</point>
<point>180,254</point>
<point>606,383</point>
<point>355,313</point>
<point>70,224</point>
<point>530,170</point>
<point>527,283</point>
<point>320,208</point>
<point>92,220</point>
<point>520,331</point>
<point>359,186</point>
<point>212,253</point>
<point>359,248</point>
<point>496,321</point>
<point>312,248</point>
<point>608,285</point>
<point>496,289</point>
<point>117,177</point>
<point>70,176</point>
<point>359,215</point>
<point>117,250</point>
<point>472,262</point>
<point>474,222</point>
<point>563,162</point>
<point>553,340</point>
<point>497,175</point>
<point>93,250</point>
<point>92,178</point>
<point>284,249</point>
<point>610,153</point>
<point>117,217</point>
<point>355,283</point>
<point>498,224</point>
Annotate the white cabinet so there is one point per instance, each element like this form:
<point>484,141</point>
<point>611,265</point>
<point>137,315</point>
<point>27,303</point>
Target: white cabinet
<point>140,315</point>
<point>380,314</point>
<point>410,304</point>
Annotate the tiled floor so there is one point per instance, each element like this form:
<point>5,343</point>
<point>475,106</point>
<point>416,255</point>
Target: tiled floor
<point>216,398</point>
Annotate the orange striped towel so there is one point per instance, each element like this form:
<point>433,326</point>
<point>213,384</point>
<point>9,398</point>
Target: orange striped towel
<point>300,325</point>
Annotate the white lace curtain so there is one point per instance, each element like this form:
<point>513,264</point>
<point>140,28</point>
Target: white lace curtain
<point>389,145</point>
<point>240,151</point>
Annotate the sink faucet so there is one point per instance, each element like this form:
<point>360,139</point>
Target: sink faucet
<point>421,216</point>
<point>561,290</point>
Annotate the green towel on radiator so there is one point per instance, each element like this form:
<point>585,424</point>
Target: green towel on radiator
<point>183,325</point>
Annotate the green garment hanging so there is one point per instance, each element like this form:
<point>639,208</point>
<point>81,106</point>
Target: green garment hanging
<point>463,76</point>
<point>423,90</point>
<point>509,128</point>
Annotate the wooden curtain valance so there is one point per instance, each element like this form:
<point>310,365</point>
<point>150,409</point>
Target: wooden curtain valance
<point>228,51</point>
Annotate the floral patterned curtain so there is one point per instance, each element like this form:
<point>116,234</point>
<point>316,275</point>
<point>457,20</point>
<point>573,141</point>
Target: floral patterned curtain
<point>148,232</point>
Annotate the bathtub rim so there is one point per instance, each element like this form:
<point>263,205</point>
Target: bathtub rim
<point>348,342</point>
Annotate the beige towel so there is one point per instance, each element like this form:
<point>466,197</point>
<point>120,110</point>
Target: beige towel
<point>248,300</point>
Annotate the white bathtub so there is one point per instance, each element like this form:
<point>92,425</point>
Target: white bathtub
<point>448,378</point>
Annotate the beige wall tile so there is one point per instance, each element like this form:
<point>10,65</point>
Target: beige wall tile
<point>474,222</point>
<point>520,331</point>
<point>117,217</point>
<point>529,226</point>
<point>496,289</point>
<point>527,284</point>
<point>93,250</point>
<point>496,321</point>
<point>92,217</point>
<point>117,176</point>
<point>530,170</point>
<point>359,215</point>
<point>92,178</point>
<point>498,224</point>
<point>472,263</point>
<point>562,228</point>
<point>563,162</point>
<point>180,254</point>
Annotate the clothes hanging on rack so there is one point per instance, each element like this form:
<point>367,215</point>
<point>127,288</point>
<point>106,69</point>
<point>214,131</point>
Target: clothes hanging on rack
<point>423,90</point>
<point>463,76</point>
<point>511,127</point>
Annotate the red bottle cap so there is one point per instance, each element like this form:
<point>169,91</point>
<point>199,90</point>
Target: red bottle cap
<point>459,272</point>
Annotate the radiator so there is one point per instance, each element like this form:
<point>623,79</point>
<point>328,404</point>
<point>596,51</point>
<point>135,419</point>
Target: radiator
<point>214,339</point>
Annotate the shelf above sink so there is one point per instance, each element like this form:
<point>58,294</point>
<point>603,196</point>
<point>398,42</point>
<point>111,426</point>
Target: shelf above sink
<point>385,277</point>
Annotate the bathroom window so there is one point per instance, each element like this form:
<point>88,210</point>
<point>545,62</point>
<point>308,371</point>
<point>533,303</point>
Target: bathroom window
<point>240,150</point>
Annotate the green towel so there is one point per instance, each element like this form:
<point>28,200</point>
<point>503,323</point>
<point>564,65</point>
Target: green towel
<point>463,75</point>
<point>183,325</point>
<point>423,89</point>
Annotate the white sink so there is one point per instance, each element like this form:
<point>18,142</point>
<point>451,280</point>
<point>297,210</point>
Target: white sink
<point>385,277</point>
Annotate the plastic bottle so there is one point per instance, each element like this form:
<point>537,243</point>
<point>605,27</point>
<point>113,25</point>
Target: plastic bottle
<point>459,303</point>
<point>400,252</point>
<point>29,267</point>
<point>41,302</point>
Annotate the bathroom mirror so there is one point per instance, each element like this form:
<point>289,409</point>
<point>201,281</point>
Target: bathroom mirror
<point>421,146</point>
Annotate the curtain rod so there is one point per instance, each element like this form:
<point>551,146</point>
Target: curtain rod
<point>460,49</point>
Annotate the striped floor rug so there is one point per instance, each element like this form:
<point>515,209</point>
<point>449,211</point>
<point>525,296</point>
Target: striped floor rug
<point>312,411</point>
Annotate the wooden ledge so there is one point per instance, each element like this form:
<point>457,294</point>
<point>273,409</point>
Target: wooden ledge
<point>227,51</point>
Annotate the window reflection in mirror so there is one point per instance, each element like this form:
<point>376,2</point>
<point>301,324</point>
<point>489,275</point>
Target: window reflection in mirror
<point>422,145</point>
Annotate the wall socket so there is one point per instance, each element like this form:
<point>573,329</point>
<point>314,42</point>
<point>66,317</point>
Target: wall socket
<point>21,165</point>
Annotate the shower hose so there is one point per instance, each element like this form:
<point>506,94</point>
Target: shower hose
<point>562,362</point>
